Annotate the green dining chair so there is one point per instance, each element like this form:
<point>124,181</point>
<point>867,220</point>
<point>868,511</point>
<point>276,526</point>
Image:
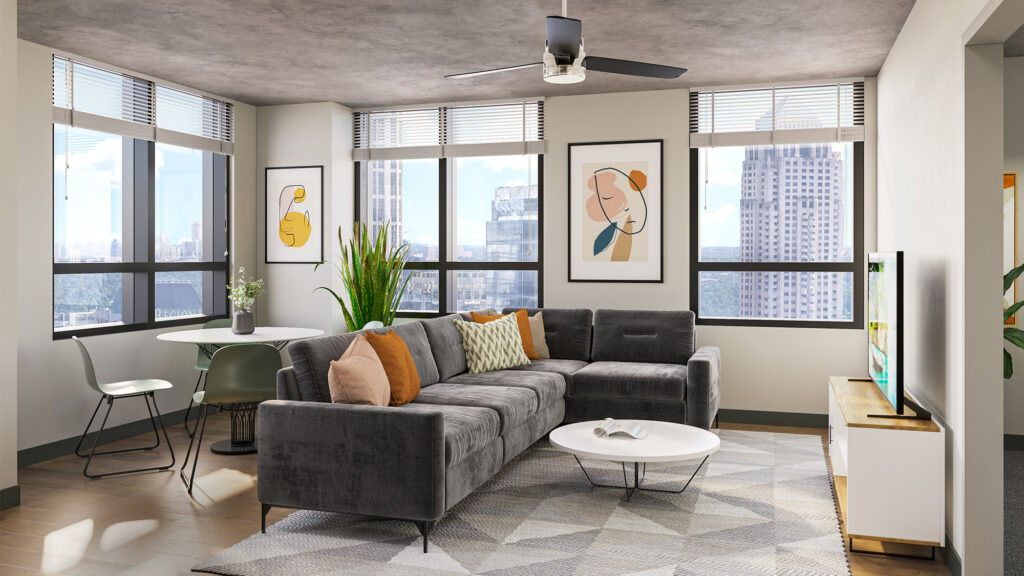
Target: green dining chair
<point>203,354</point>
<point>116,391</point>
<point>239,378</point>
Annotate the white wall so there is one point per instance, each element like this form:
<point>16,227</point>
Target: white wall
<point>1013,155</point>
<point>305,135</point>
<point>51,386</point>
<point>923,210</point>
<point>767,369</point>
<point>8,243</point>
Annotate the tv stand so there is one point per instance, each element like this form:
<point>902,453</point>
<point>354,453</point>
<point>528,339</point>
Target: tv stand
<point>889,472</point>
<point>919,413</point>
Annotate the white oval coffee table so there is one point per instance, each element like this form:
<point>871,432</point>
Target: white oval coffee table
<point>665,442</point>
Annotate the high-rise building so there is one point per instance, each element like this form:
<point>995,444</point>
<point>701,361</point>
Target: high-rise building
<point>792,209</point>
<point>511,236</point>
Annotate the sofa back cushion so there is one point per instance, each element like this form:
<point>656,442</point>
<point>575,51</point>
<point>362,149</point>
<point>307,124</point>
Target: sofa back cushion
<point>566,330</point>
<point>446,345</point>
<point>643,336</point>
<point>312,359</point>
<point>402,376</point>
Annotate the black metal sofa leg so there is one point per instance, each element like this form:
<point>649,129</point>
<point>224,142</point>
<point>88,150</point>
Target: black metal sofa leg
<point>263,517</point>
<point>425,526</point>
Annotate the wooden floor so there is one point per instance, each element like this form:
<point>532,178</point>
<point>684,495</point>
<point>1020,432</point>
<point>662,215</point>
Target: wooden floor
<point>147,524</point>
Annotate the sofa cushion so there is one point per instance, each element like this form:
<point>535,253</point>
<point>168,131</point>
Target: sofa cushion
<point>495,345</point>
<point>311,360</point>
<point>631,380</point>
<point>415,337</point>
<point>358,377</point>
<point>522,320</point>
<point>446,345</point>
<point>643,336</point>
<point>466,429</point>
<point>540,343</point>
<point>513,405</point>
<point>564,367</point>
<point>548,386</point>
<point>566,330</point>
<point>397,361</point>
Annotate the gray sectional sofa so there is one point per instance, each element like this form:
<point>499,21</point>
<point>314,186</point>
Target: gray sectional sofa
<point>414,462</point>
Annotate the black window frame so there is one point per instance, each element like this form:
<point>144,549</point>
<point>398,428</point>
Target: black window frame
<point>139,230</point>
<point>446,269</point>
<point>857,266</point>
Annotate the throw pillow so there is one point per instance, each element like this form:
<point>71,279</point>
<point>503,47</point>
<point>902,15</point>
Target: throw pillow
<point>492,346</point>
<point>522,320</point>
<point>540,341</point>
<point>397,361</point>
<point>358,377</point>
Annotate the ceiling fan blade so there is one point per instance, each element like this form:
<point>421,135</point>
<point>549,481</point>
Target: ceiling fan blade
<point>564,36</point>
<point>493,70</point>
<point>616,66</point>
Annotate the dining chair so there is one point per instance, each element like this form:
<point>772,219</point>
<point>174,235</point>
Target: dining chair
<point>116,391</point>
<point>203,354</point>
<point>238,379</point>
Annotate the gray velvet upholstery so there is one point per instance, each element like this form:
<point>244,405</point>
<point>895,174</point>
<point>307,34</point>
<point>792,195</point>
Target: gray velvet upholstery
<point>416,461</point>
<point>548,386</point>
<point>643,336</point>
<point>567,331</point>
<point>564,367</point>
<point>702,388</point>
<point>513,405</point>
<point>446,345</point>
<point>632,380</point>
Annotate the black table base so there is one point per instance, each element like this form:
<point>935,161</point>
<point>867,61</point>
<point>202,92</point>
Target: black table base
<point>243,430</point>
<point>638,479</point>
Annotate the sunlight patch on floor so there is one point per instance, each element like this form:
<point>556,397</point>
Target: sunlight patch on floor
<point>65,547</point>
<point>124,532</point>
<point>221,485</point>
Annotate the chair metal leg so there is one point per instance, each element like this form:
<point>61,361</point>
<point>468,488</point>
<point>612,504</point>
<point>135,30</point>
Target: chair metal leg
<point>191,402</point>
<point>92,452</point>
<point>159,418</point>
<point>87,426</point>
<point>110,401</point>
<point>190,482</point>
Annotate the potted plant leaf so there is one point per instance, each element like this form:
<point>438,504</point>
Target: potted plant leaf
<point>1012,335</point>
<point>243,295</point>
<point>371,271</point>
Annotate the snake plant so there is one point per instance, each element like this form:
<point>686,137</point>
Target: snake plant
<point>1012,335</point>
<point>371,271</point>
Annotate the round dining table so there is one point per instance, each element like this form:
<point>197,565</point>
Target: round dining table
<point>243,422</point>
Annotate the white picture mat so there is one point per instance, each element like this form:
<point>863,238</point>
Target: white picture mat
<point>311,177</point>
<point>650,270</point>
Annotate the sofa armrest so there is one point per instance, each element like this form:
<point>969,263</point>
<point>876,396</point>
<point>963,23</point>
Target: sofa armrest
<point>287,386</point>
<point>703,386</point>
<point>374,460</point>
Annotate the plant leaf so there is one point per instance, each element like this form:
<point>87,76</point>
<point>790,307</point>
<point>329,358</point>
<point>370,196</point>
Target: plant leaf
<point>1014,336</point>
<point>1010,276</point>
<point>1007,365</point>
<point>1012,310</point>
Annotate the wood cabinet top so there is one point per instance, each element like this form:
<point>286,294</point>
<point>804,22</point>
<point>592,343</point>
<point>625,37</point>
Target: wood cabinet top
<point>858,398</point>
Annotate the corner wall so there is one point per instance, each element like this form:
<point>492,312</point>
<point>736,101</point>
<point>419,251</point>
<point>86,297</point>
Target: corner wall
<point>763,369</point>
<point>9,491</point>
<point>1013,159</point>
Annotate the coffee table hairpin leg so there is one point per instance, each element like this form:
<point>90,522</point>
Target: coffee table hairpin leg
<point>638,479</point>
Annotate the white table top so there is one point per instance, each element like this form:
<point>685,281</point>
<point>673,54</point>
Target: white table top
<point>226,336</point>
<point>665,442</point>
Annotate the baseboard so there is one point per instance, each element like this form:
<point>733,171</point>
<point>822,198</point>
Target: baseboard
<point>798,419</point>
<point>45,452</point>
<point>956,567</point>
<point>1013,441</point>
<point>10,497</point>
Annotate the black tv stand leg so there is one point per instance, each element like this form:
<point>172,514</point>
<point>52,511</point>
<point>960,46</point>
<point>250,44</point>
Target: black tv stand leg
<point>893,554</point>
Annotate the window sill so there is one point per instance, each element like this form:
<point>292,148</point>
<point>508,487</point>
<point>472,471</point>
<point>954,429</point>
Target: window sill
<point>780,323</point>
<point>102,329</point>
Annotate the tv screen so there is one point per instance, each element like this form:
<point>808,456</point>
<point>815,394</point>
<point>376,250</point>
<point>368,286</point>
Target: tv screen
<point>885,325</point>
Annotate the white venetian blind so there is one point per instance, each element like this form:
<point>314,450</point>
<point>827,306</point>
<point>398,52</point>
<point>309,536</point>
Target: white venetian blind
<point>92,97</point>
<point>450,130</point>
<point>793,114</point>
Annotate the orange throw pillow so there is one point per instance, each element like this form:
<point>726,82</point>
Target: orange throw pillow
<point>398,364</point>
<point>525,334</point>
<point>358,377</point>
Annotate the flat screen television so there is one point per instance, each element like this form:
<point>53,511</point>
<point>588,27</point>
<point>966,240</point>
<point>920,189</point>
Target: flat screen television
<point>885,325</point>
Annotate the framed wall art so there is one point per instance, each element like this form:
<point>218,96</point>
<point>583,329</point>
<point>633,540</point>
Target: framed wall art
<point>1010,238</point>
<point>616,211</point>
<point>295,215</point>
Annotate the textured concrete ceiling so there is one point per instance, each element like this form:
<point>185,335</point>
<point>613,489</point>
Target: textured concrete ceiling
<point>397,51</point>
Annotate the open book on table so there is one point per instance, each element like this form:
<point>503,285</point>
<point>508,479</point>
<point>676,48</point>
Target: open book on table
<point>609,427</point>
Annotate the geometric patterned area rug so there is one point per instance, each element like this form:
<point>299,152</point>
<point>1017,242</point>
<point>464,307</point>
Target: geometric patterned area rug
<point>762,504</point>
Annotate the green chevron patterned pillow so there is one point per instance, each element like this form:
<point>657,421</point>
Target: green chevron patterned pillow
<point>492,346</point>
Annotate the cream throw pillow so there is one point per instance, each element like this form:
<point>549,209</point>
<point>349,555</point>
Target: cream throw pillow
<point>358,377</point>
<point>495,345</point>
<point>540,343</point>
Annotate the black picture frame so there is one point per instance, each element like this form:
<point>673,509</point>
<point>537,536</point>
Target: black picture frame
<point>660,218</point>
<point>267,220</point>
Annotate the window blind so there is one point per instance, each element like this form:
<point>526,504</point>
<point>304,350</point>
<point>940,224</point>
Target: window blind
<point>793,114</point>
<point>489,129</point>
<point>92,97</point>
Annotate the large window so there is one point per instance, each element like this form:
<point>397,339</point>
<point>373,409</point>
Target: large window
<point>473,225</point>
<point>777,228</point>
<point>139,233</point>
